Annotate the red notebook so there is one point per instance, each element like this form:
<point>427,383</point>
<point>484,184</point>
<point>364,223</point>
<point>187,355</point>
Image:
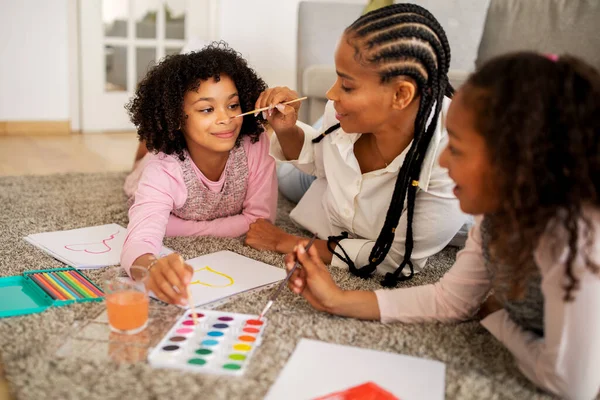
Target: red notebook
<point>366,391</point>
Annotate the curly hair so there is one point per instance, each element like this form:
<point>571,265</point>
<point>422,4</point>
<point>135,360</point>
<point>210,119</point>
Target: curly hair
<point>539,118</point>
<point>157,107</point>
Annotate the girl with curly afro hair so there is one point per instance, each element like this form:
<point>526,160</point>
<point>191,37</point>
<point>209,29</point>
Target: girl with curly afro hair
<point>524,152</point>
<point>207,172</point>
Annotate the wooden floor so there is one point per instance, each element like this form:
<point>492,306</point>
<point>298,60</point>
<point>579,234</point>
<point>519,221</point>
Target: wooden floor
<point>5,393</point>
<point>93,152</point>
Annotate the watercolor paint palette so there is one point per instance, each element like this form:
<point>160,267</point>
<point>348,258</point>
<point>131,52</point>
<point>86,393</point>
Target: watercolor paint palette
<point>220,343</point>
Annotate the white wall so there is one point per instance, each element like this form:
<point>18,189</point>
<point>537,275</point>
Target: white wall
<point>264,31</point>
<point>73,62</point>
<point>34,68</point>
<point>38,75</point>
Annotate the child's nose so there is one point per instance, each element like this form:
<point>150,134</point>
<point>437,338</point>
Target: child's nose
<point>223,117</point>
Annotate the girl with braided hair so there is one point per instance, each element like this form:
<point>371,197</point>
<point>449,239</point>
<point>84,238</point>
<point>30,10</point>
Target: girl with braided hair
<point>524,151</point>
<point>381,201</point>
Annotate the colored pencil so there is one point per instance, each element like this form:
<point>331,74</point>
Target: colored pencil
<point>65,285</point>
<point>45,287</point>
<point>49,284</point>
<point>75,285</point>
<point>58,286</point>
<point>61,295</point>
<point>86,283</point>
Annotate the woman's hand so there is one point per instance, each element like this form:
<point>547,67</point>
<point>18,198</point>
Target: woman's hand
<point>263,235</point>
<point>169,279</point>
<point>281,117</point>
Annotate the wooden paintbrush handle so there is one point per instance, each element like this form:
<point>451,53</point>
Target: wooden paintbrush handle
<point>266,108</point>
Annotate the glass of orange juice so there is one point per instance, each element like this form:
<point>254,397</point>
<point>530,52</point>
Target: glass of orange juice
<point>127,301</point>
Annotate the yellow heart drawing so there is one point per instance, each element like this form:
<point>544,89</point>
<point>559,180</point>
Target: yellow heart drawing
<point>210,270</point>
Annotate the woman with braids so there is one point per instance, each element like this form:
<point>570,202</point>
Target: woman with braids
<point>391,90</point>
<point>524,151</point>
<point>206,173</point>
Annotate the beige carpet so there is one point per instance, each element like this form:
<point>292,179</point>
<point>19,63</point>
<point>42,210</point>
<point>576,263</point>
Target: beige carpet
<point>477,365</point>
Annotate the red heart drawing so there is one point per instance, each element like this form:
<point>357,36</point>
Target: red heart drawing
<point>93,248</point>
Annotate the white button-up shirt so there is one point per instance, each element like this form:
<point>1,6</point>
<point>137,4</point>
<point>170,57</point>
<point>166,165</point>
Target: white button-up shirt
<point>344,199</point>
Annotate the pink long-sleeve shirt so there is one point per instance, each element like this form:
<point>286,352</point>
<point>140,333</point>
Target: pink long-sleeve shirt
<point>566,361</point>
<point>162,189</point>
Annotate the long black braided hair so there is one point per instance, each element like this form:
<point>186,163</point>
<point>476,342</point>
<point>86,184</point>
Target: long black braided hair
<point>401,40</point>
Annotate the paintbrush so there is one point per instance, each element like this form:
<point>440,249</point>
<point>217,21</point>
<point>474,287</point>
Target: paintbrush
<point>189,297</point>
<point>277,291</point>
<point>266,108</point>
<point>191,303</point>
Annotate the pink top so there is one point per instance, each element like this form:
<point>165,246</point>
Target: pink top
<point>566,361</point>
<point>162,189</point>
<point>204,203</point>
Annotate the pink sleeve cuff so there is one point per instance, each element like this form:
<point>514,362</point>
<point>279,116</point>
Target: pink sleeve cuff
<point>385,301</point>
<point>132,251</point>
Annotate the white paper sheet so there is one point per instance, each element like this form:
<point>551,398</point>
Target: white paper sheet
<point>223,274</point>
<point>317,369</point>
<point>85,248</point>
